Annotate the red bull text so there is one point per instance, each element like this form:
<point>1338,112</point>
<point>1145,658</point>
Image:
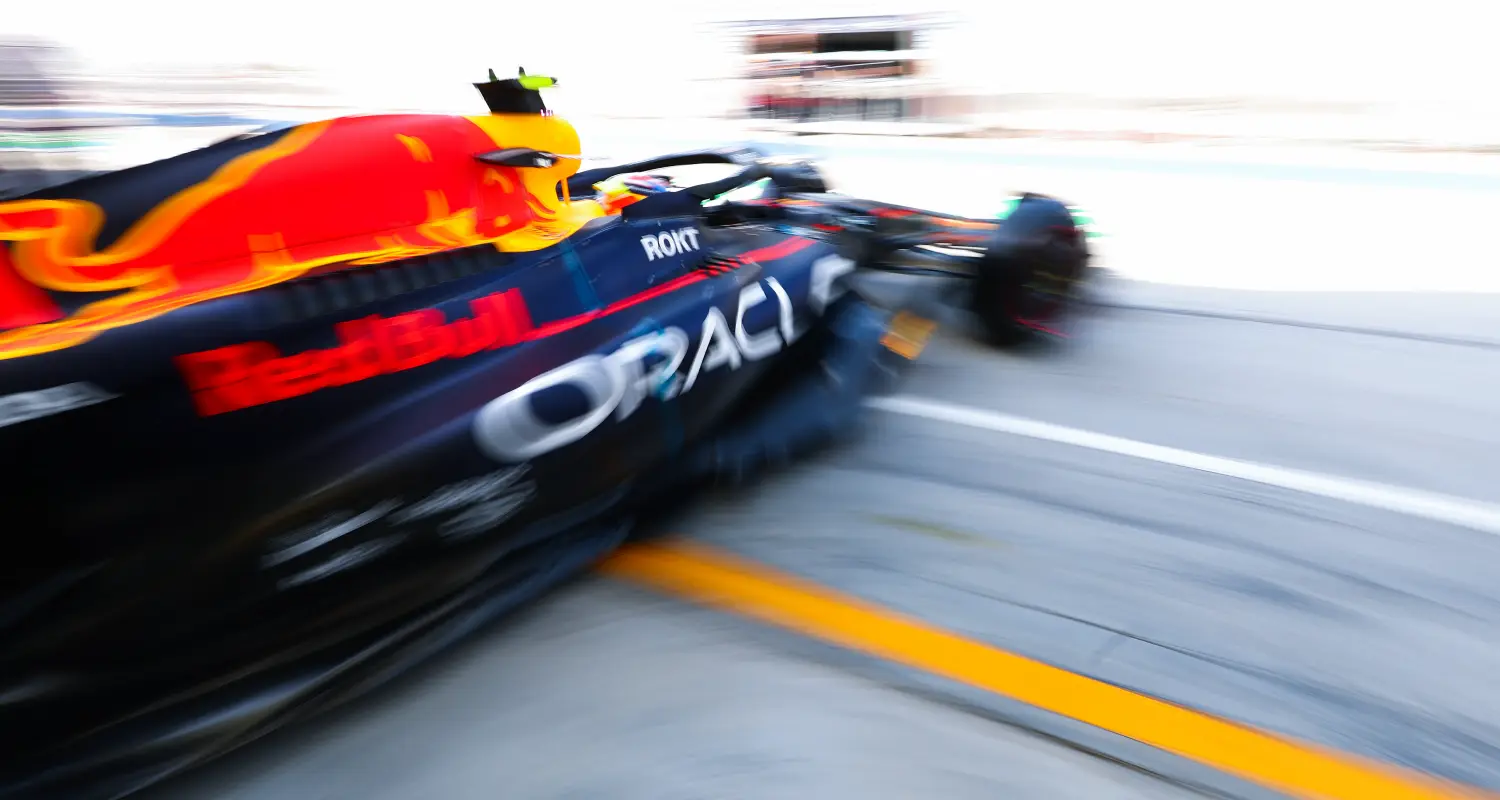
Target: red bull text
<point>255,373</point>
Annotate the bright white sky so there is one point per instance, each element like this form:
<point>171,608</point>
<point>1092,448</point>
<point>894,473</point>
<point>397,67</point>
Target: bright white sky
<point>1437,49</point>
<point>428,50</point>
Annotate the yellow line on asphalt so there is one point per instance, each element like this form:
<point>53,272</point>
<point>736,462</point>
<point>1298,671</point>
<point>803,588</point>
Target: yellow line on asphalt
<point>1299,769</point>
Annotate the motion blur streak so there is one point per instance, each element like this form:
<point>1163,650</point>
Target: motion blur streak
<point>1299,769</point>
<point>1427,505</point>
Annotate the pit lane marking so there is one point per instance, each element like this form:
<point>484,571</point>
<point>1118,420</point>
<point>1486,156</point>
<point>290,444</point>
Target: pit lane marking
<point>1298,769</point>
<point>1463,512</point>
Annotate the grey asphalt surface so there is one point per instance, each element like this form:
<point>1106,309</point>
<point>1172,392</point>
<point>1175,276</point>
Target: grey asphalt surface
<point>608,692</point>
<point>1357,628</point>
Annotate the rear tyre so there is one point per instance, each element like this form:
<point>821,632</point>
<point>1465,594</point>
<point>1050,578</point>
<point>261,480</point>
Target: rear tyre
<point>1029,277</point>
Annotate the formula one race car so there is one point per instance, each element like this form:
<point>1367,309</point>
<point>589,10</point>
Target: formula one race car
<point>288,414</point>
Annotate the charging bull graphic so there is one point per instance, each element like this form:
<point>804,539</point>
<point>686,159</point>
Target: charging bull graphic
<point>347,192</point>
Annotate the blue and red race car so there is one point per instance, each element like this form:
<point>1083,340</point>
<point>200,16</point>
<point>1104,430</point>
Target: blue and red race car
<point>292,412</point>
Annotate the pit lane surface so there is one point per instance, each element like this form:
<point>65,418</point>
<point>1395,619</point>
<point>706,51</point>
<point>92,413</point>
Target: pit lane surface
<point>1338,622</point>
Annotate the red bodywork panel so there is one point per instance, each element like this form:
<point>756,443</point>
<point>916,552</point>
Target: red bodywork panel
<point>337,193</point>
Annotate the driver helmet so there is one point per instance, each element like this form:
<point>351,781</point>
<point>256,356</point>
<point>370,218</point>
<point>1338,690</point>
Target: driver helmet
<point>622,190</point>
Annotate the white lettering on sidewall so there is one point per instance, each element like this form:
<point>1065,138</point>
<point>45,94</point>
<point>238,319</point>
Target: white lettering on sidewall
<point>26,406</point>
<point>825,287</point>
<point>324,531</point>
<point>476,505</point>
<point>507,484</point>
<point>508,430</point>
<point>670,243</point>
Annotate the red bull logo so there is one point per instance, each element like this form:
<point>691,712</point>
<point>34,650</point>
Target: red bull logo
<point>255,373</point>
<point>344,192</point>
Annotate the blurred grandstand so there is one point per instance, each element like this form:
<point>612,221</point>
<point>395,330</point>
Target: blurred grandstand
<point>29,70</point>
<point>55,116</point>
<point>40,122</point>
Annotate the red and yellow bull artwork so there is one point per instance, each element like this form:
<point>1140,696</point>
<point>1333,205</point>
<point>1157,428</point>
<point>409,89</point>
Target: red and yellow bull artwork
<point>255,373</point>
<point>336,194</point>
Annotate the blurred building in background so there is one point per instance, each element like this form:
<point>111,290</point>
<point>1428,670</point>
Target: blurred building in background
<point>869,68</point>
<point>1391,76</point>
<point>35,72</point>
